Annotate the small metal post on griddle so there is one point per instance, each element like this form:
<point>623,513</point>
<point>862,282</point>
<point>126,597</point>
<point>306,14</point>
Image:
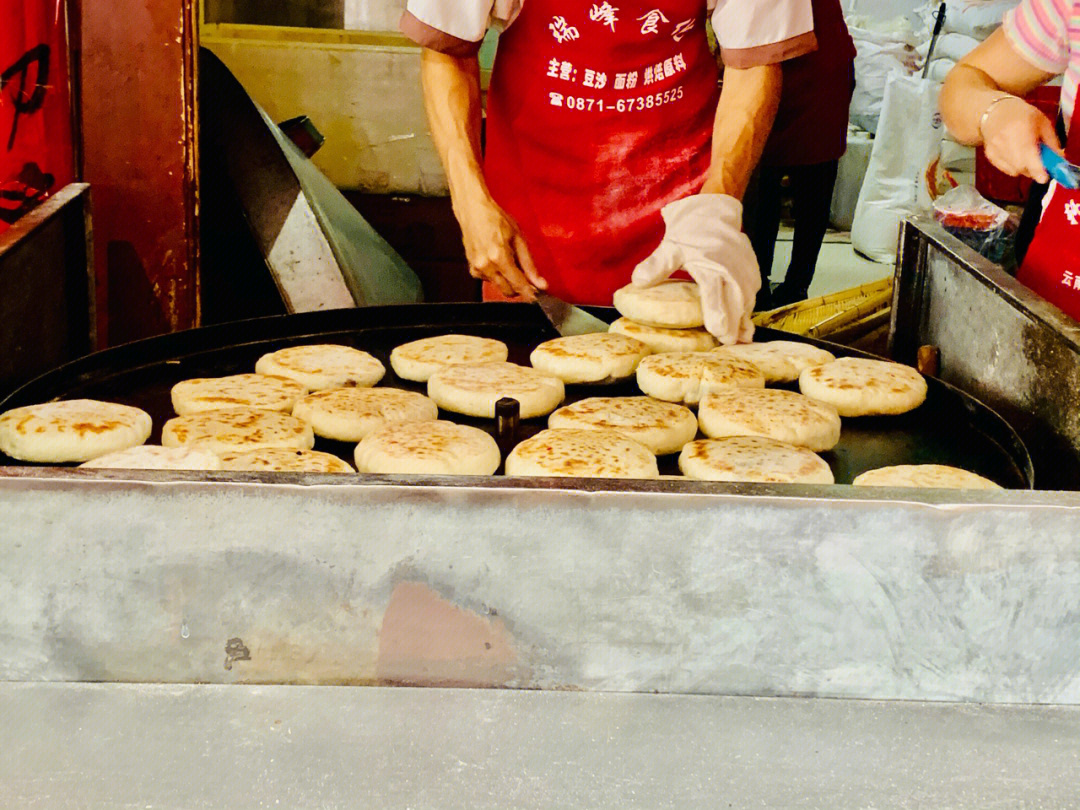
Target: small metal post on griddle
<point>507,419</point>
<point>929,360</point>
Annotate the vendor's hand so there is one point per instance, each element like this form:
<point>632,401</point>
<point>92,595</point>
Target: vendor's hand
<point>704,237</point>
<point>1012,132</point>
<point>497,252</point>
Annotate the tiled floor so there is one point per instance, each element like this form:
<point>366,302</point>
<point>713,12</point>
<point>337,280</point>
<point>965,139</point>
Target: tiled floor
<point>838,267</point>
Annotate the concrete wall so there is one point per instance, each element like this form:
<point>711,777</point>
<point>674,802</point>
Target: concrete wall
<point>299,13</point>
<point>373,15</point>
<point>365,98</point>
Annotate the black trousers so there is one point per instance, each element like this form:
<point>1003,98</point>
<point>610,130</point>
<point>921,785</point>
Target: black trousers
<point>811,190</point>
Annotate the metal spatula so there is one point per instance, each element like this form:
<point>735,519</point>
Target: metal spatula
<point>566,318</point>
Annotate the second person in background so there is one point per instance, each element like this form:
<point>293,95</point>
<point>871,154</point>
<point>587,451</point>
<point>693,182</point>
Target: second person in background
<point>808,138</point>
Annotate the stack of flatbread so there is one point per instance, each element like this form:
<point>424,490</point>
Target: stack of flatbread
<point>666,318</point>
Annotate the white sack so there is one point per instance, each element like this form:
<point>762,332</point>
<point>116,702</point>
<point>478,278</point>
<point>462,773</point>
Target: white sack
<point>908,141</point>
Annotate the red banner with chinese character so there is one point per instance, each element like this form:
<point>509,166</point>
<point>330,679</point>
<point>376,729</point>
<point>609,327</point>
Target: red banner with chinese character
<point>36,151</point>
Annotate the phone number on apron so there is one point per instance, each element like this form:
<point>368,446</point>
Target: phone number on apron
<point>622,105</point>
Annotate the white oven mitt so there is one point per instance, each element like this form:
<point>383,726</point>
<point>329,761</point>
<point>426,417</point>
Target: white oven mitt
<point>704,237</point>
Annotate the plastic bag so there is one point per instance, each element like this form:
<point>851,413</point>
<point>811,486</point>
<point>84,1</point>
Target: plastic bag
<point>877,57</point>
<point>907,146</point>
<point>976,18</point>
<point>975,221</point>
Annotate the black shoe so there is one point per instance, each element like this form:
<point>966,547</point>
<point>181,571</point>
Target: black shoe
<point>788,294</point>
<point>764,300</point>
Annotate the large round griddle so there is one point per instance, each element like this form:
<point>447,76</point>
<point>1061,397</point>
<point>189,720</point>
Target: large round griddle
<point>949,428</point>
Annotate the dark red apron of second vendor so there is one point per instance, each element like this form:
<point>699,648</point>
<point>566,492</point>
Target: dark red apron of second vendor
<point>1052,263</point>
<point>811,122</point>
<point>582,156</point>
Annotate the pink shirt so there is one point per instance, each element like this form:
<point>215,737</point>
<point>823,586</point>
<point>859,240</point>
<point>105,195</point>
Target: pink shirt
<point>1046,33</point>
<point>749,32</point>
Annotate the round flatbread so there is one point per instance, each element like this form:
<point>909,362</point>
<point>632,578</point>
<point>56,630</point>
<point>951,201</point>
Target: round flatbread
<point>774,413</point>
<point>663,427</point>
<point>474,390</point>
<point>420,359</point>
<point>778,360</point>
<point>278,459</point>
<point>71,430</point>
<point>670,304</point>
<point>937,476</point>
<point>858,387</point>
<point>428,448</point>
<point>350,414</point>
<point>238,430</point>
<point>582,454</point>
<point>154,457</point>
<point>687,376</point>
<point>596,357</point>
<point>236,391</point>
<point>753,458</point>
<point>321,366</point>
<point>665,340</point>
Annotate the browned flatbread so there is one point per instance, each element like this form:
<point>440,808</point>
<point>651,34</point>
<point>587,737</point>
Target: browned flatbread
<point>279,459</point>
<point>687,376</point>
<point>428,448</point>
<point>589,358</point>
<point>778,360</point>
<point>937,476</point>
<point>236,391</point>
<point>233,430</point>
<point>71,430</point>
<point>860,387</point>
<point>663,427</point>
<point>755,459</point>
<point>582,454</point>
<point>322,366</point>
<point>474,390</point>
<point>776,414</point>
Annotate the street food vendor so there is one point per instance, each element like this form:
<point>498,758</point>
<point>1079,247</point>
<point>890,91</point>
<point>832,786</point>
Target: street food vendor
<point>982,103</point>
<point>610,149</point>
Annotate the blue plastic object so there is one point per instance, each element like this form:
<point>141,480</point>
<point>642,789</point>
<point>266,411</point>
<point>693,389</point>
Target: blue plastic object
<point>1059,168</point>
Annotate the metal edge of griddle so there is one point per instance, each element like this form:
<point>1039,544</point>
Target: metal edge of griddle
<point>994,278</point>
<point>53,478</point>
<point>132,357</point>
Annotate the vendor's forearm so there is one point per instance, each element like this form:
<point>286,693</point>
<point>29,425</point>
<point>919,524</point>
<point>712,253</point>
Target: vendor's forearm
<point>744,118</point>
<point>452,99</point>
<point>966,94</point>
<point>982,83</point>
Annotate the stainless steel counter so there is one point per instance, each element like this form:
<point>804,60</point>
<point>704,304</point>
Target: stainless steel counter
<point>195,747</point>
<point>669,586</point>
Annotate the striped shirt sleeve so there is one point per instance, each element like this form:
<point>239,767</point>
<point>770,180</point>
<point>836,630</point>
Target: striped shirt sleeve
<point>1039,31</point>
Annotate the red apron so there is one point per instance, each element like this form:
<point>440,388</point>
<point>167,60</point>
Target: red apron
<point>599,114</point>
<point>1052,264</point>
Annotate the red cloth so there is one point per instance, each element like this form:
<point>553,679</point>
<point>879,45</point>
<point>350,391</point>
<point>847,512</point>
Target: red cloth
<point>811,123</point>
<point>1052,263</point>
<point>582,160</point>
<point>36,153</point>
